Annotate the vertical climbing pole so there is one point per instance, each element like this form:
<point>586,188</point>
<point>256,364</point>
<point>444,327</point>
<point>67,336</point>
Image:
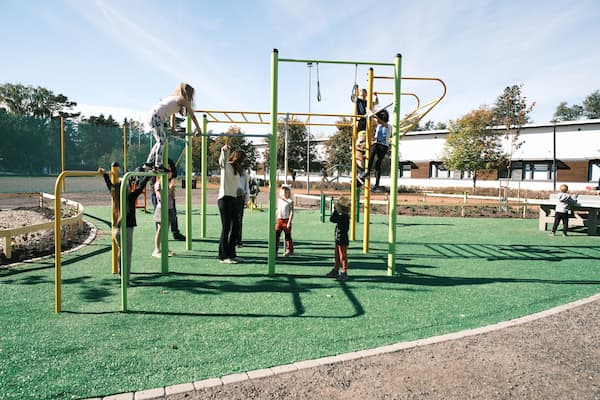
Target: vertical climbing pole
<point>273,160</point>
<point>114,178</point>
<point>188,184</point>
<point>204,173</point>
<point>368,161</point>
<point>391,265</point>
<point>164,212</point>
<point>124,147</point>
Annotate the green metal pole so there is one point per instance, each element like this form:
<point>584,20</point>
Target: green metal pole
<point>124,266</point>
<point>164,213</point>
<point>204,173</point>
<point>123,204</point>
<point>273,160</point>
<point>304,61</point>
<point>322,207</point>
<point>357,202</point>
<point>188,185</point>
<point>394,168</point>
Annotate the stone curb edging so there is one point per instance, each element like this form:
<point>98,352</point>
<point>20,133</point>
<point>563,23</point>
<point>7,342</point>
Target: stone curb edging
<point>161,393</point>
<point>87,241</point>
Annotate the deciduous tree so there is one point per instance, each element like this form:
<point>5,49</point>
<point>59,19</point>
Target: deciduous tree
<point>471,145</point>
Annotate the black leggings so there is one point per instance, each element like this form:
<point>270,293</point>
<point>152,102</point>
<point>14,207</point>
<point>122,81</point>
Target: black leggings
<point>376,155</point>
<point>229,227</point>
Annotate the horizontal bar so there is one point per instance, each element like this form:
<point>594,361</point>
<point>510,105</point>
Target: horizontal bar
<point>335,62</point>
<point>236,134</point>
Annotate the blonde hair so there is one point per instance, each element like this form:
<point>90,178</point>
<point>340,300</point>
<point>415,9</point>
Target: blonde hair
<point>564,188</point>
<point>186,91</point>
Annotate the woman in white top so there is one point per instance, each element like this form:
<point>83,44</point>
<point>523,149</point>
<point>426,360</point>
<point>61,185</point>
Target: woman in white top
<point>181,101</point>
<point>229,190</point>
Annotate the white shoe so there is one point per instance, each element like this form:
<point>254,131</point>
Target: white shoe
<point>228,261</point>
<point>158,254</point>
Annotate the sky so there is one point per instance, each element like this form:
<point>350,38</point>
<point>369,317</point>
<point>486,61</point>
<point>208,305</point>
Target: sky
<point>120,57</point>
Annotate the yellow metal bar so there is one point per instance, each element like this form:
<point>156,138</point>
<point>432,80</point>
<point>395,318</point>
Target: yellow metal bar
<point>353,188</point>
<point>58,233</point>
<point>62,148</point>
<point>124,147</point>
<point>114,178</point>
<point>367,184</point>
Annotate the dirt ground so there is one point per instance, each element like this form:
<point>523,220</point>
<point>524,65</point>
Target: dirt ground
<point>556,357</point>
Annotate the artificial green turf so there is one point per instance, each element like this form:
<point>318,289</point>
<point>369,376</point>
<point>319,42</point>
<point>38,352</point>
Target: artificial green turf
<point>207,319</point>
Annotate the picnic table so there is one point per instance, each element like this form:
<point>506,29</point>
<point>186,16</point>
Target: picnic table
<point>585,213</point>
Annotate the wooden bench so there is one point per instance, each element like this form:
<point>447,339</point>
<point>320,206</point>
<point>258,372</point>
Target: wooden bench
<point>584,214</point>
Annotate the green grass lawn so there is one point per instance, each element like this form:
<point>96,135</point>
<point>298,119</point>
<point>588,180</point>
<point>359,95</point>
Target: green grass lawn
<point>207,319</point>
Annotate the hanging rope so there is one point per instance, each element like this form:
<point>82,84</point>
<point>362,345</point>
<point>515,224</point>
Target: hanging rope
<point>318,85</point>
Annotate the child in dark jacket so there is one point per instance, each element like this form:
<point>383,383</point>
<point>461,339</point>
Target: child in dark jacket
<point>341,217</point>
<point>130,221</point>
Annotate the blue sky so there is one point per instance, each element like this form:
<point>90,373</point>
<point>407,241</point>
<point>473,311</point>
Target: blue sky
<point>120,57</point>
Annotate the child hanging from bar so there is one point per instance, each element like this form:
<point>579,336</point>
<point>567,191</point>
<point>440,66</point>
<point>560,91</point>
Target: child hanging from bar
<point>130,220</point>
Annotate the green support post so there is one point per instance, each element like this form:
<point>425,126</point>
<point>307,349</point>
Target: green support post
<point>204,173</point>
<point>273,160</point>
<point>188,185</point>
<point>123,206</point>
<point>322,207</point>
<point>357,203</point>
<point>164,213</point>
<point>394,168</point>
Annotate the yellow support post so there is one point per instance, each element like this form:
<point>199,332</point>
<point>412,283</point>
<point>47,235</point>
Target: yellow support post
<point>114,178</point>
<point>367,184</point>
<point>124,147</point>
<point>58,233</point>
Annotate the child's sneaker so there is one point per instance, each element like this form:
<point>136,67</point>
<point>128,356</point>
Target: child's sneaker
<point>156,253</point>
<point>287,253</point>
<point>178,236</point>
<point>342,277</point>
<point>333,273</point>
<point>228,261</point>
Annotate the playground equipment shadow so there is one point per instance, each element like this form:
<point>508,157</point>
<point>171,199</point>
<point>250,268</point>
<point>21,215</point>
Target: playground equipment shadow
<point>205,319</point>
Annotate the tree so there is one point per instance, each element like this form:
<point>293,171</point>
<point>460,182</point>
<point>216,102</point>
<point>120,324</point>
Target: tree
<point>591,105</point>
<point>35,102</point>
<point>98,136</point>
<point>339,146</point>
<point>472,145</point>
<point>236,143</point>
<point>511,110</point>
<point>297,142</point>
<point>565,113</point>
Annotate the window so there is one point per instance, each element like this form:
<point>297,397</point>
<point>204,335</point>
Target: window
<point>405,170</point>
<point>594,171</point>
<point>528,171</point>
<point>437,170</point>
<point>538,172</point>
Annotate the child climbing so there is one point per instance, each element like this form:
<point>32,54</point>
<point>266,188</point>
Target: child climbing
<point>379,147</point>
<point>181,101</point>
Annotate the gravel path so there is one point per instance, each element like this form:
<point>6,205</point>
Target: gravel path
<point>555,357</point>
